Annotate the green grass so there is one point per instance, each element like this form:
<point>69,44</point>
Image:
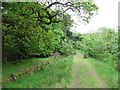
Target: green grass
<point>10,68</point>
<point>108,73</point>
<point>87,79</point>
<point>58,74</point>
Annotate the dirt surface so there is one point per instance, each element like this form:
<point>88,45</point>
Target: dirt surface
<point>85,75</point>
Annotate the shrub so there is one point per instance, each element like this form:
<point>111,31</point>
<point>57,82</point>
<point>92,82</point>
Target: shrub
<point>102,46</point>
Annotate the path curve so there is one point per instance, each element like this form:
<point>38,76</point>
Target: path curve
<point>79,81</point>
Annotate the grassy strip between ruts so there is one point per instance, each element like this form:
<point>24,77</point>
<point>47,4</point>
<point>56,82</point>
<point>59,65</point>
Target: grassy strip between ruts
<point>57,74</point>
<point>84,73</point>
<point>108,73</point>
<point>87,80</point>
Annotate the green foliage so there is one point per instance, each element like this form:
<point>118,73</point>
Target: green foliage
<point>23,36</point>
<point>102,45</point>
<point>77,45</point>
<point>33,28</point>
<point>89,9</point>
<point>66,23</point>
<point>67,48</point>
<point>77,38</point>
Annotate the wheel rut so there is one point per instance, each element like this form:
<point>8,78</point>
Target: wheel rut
<point>85,75</point>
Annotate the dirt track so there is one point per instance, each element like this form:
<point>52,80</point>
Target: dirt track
<point>85,75</point>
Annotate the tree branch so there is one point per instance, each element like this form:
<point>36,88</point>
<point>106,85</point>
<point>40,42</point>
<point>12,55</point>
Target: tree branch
<point>63,4</point>
<point>54,4</point>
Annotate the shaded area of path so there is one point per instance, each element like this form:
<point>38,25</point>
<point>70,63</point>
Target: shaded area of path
<point>84,74</point>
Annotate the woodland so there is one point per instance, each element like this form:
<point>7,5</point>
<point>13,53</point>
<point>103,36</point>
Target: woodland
<point>40,51</point>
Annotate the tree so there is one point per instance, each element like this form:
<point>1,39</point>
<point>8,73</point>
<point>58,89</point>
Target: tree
<point>85,9</point>
<point>35,27</point>
<point>102,45</point>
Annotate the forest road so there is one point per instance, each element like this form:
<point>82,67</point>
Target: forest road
<point>85,75</point>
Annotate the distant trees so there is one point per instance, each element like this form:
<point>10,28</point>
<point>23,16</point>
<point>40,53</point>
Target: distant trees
<point>102,46</point>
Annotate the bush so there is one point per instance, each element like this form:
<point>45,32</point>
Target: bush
<point>67,48</point>
<point>102,46</point>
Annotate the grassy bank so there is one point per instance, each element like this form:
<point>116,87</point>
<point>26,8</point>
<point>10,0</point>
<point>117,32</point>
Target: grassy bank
<point>108,73</point>
<point>57,74</point>
<point>11,68</point>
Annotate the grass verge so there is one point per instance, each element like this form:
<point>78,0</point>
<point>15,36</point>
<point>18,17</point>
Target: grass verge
<point>108,73</point>
<point>55,75</point>
<point>10,68</point>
